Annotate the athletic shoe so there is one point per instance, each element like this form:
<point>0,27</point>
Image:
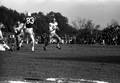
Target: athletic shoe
<point>18,48</point>
<point>10,49</point>
<point>58,47</point>
<point>33,50</point>
<point>44,48</point>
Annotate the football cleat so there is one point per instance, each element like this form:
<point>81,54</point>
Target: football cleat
<point>44,48</point>
<point>58,47</point>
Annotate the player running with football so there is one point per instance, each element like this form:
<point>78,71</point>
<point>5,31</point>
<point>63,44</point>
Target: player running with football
<point>53,26</point>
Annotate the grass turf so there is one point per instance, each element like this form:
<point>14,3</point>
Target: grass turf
<point>92,62</point>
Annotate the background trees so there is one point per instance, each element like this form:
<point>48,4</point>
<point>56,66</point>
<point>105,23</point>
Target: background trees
<point>85,30</point>
<point>9,17</point>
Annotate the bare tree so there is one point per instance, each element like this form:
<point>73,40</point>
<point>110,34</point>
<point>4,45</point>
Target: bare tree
<point>90,26</point>
<point>75,25</point>
<point>97,27</point>
<point>79,23</point>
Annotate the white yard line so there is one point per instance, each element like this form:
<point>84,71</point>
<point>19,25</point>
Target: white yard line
<point>83,80</point>
<point>59,80</point>
<point>18,82</point>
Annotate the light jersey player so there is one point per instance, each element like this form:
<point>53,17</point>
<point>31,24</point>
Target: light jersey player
<point>53,26</point>
<point>3,45</point>
<point>1,26</point>
<point>29,22</point>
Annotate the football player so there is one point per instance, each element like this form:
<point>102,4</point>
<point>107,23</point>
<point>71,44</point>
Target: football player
<point>29,22</point>
<point>19,34</point>
<point>53,26</point>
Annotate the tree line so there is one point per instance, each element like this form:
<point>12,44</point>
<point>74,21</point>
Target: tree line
<point>9,17</point>
<point>89,33</point>
<point>84,30</point>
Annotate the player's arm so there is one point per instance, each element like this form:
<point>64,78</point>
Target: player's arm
<point>57,26</point>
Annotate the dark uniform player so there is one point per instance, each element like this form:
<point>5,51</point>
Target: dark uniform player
<point>19,33</point>
<point>29,22</point>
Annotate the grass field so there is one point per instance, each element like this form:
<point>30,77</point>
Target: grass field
<point>91,62</point>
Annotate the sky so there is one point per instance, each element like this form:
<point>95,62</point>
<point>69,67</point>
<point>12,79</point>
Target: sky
<point>99,11</point>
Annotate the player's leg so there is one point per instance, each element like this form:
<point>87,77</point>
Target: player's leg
<point>31,33</point>
<point>46,41</point>
<point>1,35</point>
<point>21,43</point>
<point>12,47</point>
<point>6,46</point>
<point>58,41</point>
<point>2,42</point>
<point>33,42</point>
<point>21,39</point>
<point>17,41</point>
<point>11,41</point>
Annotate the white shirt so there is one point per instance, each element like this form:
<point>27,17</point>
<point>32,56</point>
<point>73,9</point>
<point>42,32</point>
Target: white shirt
<point>53,27</point>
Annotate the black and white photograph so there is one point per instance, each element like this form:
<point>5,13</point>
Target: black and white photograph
<point>59,41</point>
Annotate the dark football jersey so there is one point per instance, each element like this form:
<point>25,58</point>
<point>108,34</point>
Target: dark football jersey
<point>29,22</point>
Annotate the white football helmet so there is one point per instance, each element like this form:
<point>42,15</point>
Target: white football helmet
<point>29,14</point>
